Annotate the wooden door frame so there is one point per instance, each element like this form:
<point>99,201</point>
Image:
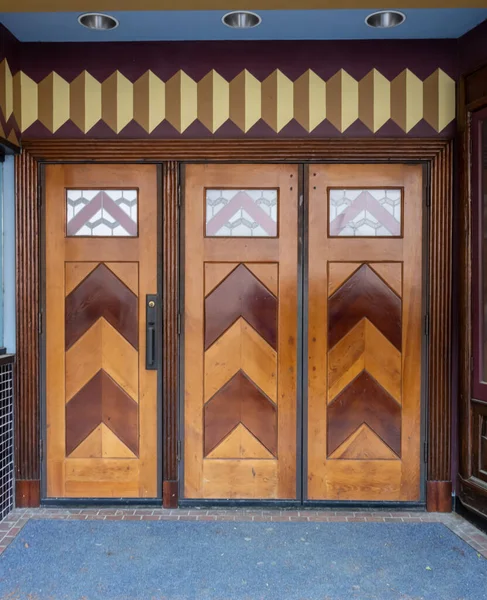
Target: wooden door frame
<point>472,493</point>
<point>436,153</point>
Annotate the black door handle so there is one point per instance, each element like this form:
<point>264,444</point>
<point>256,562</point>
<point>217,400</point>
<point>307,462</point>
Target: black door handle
<point>150,332</point>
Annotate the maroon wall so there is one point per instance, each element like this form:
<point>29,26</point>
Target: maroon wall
<point>133,59</point>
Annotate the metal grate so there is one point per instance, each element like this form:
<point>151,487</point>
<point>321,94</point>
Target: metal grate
<point>6,436</point>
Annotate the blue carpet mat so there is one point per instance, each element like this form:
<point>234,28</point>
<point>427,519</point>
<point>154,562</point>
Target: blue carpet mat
<point>93,560</point>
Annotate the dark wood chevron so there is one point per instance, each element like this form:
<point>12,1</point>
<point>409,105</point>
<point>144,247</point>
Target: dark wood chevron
<point>241,294</point>
<point>364,400</point>
<point>240,401</point>
<point>101,294</point>
<point>102,400</point>
<point>364,295</point>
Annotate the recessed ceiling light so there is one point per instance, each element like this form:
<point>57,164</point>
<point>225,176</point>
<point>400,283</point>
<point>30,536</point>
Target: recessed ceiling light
<point>241,19</point>
<point>98,21</point>
<point>385,19</point>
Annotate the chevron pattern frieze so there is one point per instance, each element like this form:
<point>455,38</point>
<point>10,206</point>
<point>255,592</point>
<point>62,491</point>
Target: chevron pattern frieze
<point>241,360</point>
<point>364,391</point>
<point>277,100</point>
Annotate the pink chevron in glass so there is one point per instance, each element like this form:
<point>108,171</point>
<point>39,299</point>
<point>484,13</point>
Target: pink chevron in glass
<point>241,213</point>
<point>101,213</point>
<point>365,213</point>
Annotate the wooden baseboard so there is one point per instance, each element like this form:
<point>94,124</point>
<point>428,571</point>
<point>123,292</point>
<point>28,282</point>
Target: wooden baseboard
<point>170,494</point>
<point>438,496</point>
<point>27,493</point>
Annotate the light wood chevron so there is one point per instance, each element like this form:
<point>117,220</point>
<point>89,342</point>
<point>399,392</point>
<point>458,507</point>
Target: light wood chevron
<point>215,273</point>
<point>338,273</point>
<point>240,443</point>
<point>364,444</point>
<point>76,272</point>
<point>102,443</point>
<point>364,347</point>
<point>268,275</point>
<point>102,347</point>
<point>241,348</point>
<point>128,272</point>
<point>391,273</point>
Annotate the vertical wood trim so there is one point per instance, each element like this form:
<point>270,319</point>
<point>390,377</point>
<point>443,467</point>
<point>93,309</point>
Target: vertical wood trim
<point>170,309</point>
<point>27,384</point>
<point>440,294</point>
<point>465,284</point>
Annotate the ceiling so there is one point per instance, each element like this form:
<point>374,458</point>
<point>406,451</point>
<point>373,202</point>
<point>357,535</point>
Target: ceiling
<point>110,5</point>
<point>276,25</point>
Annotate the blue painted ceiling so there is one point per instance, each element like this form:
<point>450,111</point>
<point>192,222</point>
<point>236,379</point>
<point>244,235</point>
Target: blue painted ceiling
<point>276,25</point>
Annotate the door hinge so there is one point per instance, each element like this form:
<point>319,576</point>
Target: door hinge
<point>425,452</point>
<point>301,199</point>
<point>426,325</point>
<point>39,195</point>
<point>40,327</point>
<point>179,195</point>
<point>178,450</point>
<point>41,450</point>
<point>179,323</point>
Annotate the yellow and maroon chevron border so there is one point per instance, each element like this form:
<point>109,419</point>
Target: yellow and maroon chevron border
<point>149,101</point>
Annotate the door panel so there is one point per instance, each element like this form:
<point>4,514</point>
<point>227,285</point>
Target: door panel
<point>101,261</point>
<point>365,328</point>
<point>240,356</point>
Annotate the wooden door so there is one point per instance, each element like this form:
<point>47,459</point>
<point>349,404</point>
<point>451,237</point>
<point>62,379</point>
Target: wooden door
<point>365,332</point>
<point>240,322</point>
<point>101,262</point>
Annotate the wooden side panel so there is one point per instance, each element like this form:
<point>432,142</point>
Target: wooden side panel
<point>364,342</point>
<point>240,342</point>
<point>101,401</point>
<point>26,397</point>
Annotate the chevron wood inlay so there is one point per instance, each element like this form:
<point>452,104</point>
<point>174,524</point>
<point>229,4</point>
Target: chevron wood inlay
<point>391,273</point>
<point>240,443</point>
<point>241,348</point>
<point>101,400</point>
<point>76,272</point>
<point>338,273</point>
<point>240,401</point>
<point>364,400</point>
<point>365,294</point>
<point>364,444</point>
<point>267,273</point>
<point>102,347</point>
<point>101,294</point>
<point>215,273</point>
<point>241,294</point>
<point>126,271</point>
<point>102,443</point>
<point>364,348</point>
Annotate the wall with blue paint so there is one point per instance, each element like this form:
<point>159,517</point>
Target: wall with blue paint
<point>7,255</point>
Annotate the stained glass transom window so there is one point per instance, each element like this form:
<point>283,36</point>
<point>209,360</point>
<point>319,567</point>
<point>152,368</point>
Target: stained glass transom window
<point>241,213</point>
<point>365,213</point>
<point>101,213</point>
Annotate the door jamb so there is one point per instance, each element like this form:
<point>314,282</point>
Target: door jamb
<point>436,152</point>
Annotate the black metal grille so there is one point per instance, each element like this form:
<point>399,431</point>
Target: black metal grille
<point>6,436</point>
